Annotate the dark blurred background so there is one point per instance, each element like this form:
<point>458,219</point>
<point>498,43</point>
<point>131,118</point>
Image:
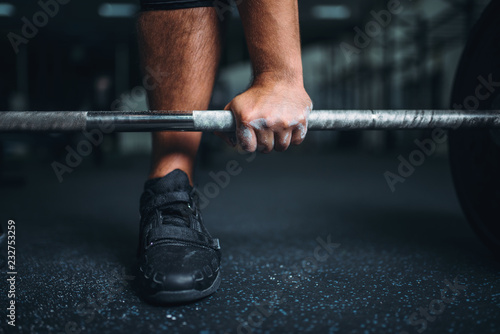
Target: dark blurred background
<point>84,57</point>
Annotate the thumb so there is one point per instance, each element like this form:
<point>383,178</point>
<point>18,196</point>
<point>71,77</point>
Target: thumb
<point>228,137</point>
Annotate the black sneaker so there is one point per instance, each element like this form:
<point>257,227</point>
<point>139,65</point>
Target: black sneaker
<point>178,259</point>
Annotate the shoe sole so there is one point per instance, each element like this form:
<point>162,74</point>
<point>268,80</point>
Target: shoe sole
<point>183,296</point>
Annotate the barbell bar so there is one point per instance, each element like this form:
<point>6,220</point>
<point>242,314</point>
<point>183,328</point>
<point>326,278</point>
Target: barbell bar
<point>223,120</point>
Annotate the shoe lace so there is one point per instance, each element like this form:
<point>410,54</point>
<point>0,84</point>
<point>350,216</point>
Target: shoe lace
<point>180,213</point>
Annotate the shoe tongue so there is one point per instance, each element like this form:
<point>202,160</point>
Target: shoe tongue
<point>173,181</point>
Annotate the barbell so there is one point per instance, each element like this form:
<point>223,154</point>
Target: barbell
<point>474,136</point>
<point>223,120</point>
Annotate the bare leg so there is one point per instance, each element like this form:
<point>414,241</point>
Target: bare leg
<point>185,44</point>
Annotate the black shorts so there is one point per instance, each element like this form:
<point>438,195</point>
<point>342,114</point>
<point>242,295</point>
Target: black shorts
<point>175,4</point>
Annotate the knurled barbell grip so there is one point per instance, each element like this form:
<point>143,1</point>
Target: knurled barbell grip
<point>42,121</point>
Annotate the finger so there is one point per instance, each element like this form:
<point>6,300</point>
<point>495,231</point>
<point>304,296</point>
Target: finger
<point>246,138</point>
<point>282,140</point>
<point>299,134</point>
<point>228,137</point>
<point>265,140</point>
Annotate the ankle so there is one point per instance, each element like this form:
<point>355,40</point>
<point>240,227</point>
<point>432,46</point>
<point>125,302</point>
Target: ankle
<point>174,150</point>
<point>165,165</point>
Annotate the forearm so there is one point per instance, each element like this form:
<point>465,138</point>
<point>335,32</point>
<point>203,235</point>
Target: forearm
<point>273,39</point>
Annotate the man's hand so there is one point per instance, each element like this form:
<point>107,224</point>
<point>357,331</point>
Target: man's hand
<point>270,114</point>
<point>273,112</point>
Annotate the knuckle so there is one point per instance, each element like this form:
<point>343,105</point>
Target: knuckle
<point>302,118</point>
<point>259,124</point>
<point>244,133</point>
<point>280,123</point>
<point>288,124</point>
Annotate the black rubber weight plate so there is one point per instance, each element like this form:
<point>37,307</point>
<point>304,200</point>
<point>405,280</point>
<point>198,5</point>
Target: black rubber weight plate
<point>474,157</point>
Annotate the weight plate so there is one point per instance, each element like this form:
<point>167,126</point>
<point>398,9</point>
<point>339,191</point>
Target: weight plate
<point>474,154</point>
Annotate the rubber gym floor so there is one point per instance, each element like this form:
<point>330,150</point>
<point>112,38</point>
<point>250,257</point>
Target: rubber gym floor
<point>311,242</point>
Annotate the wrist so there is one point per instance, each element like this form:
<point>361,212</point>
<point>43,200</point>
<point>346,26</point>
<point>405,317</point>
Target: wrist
<point>285,77</point>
